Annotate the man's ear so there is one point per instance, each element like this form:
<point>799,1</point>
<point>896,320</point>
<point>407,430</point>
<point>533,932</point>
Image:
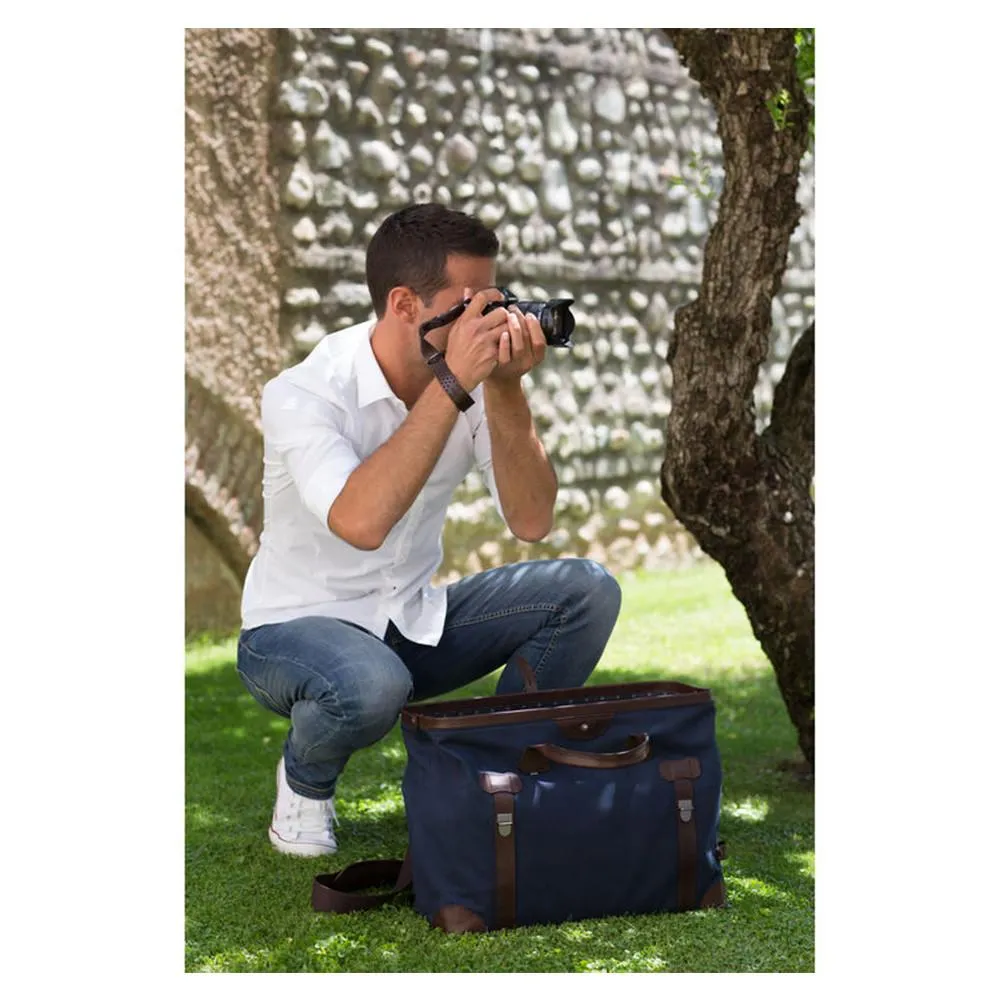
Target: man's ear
<point>403,304</point>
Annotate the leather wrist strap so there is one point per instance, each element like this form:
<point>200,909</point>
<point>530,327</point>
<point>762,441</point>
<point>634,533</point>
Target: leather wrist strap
<point>449,383</point>
<point>437,364</point>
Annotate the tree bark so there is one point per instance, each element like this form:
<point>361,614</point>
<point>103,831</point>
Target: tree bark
<point>746,497</point>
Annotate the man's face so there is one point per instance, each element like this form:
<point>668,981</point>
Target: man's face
<point>463,273</point>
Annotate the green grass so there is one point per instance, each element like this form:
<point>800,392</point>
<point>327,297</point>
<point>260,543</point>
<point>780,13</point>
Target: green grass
<point>248,908</point>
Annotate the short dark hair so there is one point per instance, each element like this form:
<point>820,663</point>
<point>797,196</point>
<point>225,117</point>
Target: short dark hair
<point>411,249</point>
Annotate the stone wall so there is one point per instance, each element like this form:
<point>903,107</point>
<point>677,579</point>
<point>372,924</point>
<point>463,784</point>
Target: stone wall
<point>595,158</point>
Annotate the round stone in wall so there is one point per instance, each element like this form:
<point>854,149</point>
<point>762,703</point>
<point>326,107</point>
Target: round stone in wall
<point>330,150</point>
<point>556,198</point>
<point>377,159</point>
<point>300,188</point>
<point>460,153</point>
<point>609,101</point>
<point>303,98</point>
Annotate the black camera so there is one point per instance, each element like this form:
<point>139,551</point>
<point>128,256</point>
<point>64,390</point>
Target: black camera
<point>556,320</point>
<point>554,317</point>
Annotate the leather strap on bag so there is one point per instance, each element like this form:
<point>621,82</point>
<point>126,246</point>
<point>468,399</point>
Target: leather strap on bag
<point>340,891</point>
<point>682,773</point>
<point>527,674</point>
<point>503,788</point>
<point>537,756</point>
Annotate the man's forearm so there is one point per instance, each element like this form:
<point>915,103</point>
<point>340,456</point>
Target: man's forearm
<point>383,487</point>
<point>525,479</point>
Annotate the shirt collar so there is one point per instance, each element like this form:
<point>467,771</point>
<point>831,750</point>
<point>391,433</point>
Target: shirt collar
<point>372,385</point>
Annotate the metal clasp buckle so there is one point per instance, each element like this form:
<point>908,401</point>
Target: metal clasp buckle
<point>505,823</point>
<point>686,806</point>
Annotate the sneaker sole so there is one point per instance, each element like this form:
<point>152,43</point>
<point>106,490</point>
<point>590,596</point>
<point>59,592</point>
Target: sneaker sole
<point>298,850</point>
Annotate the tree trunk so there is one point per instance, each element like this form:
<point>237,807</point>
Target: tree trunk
<point>745,497</point>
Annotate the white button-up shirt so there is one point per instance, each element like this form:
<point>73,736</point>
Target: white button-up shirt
<point>321,420</point>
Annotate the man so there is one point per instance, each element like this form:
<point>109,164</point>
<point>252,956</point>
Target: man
<point>363,449</point>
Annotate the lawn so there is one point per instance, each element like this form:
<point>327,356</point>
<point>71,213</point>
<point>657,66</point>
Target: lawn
<point>248,908</point>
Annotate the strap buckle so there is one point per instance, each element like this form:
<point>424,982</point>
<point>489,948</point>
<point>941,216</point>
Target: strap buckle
<point>505,823</point>
<point>686,807</point>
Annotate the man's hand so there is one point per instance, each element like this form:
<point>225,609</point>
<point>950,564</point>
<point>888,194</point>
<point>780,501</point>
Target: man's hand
<point>522,346</point>
<point>474,339</point>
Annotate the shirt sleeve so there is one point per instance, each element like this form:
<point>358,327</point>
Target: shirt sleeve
<point>483,451</point>
<point>306,433</point>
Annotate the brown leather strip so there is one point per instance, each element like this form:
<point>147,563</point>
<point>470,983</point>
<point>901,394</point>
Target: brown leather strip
<point>535,757</point>
<point>689,767</point>
<point>503,803</point>
<point>687,845</point>
<point>503,787</point>
<point>567,704</point>
<point>527,674</point>
<point>585,729</point>
<point>450,384</point>
<point>339,891</point>
<point>683,773</point>
<point>715,898</point>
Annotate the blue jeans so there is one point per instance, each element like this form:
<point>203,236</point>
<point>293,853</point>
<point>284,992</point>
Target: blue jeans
<point>343,687</point>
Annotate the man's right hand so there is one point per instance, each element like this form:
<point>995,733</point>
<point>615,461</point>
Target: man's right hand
<point>474,339</point>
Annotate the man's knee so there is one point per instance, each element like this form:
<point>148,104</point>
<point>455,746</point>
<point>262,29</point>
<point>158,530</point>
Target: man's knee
<point>356,711</point>
<point>595,589</point>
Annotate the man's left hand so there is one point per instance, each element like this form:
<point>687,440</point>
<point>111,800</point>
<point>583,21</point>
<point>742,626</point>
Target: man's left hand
<point>522,346</point>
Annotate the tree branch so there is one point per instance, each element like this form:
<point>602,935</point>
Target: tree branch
<point>791,432</point>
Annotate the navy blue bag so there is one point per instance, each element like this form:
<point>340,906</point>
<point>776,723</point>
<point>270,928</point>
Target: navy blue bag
<point>549,806</point>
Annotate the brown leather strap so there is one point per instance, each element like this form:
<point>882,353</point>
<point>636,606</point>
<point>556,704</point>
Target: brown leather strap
<point>503,788</point>
<point>527,674</point>
<point>339,891</point>
<point>682,773</point>
<point>437,364</point>
<point>535,758</point>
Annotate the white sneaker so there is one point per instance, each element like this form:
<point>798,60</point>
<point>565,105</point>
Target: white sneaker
<point>299,825</point>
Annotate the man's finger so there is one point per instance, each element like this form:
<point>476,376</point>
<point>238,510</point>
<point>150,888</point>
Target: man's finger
<point>516,331</point>
<point>504,354</point>
<point>482,298</point>
<point>537,336</point>
<point>496,319</point>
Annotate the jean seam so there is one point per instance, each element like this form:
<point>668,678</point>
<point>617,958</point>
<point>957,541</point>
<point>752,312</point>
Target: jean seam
<point>551,644</point>
<point>506,613</point>
<point>298,663</point>
<point>263,695</point>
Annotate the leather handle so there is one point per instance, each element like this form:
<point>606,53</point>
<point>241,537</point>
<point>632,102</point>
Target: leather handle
<point>536,757</point>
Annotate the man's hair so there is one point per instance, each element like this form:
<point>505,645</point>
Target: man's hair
<point>411,248</point>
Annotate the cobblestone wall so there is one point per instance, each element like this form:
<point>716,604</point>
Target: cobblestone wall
<point>593,155</point>
<point>596,159</point>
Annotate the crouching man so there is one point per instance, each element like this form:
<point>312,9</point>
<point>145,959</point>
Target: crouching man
<point>363,449</point>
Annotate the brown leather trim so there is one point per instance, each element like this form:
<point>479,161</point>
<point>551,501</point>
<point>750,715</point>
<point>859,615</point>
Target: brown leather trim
<point>340,891</point>
<point>527,674</point>
<point>689,767</point>
<point>503,787</point>
<point>536,757</point>
<point>687,845</point>
<point>715,898</point>
<point>682,773</point>
<point>562,704</point>
<point>584,729</point>
<point>458,920</point>
<point>497,781</point>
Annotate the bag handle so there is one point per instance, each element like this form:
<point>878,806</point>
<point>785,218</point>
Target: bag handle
<point>339,891</point>
<point>536,757</point>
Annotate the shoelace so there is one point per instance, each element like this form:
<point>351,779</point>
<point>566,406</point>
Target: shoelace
<point>313,815</point>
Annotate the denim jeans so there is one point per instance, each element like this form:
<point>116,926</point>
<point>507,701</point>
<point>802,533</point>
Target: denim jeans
<point>343,688</point>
